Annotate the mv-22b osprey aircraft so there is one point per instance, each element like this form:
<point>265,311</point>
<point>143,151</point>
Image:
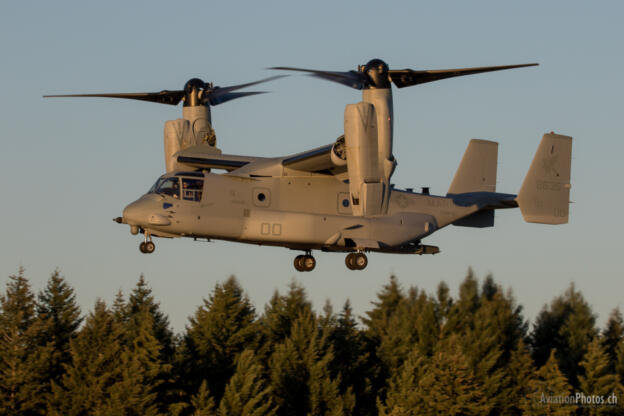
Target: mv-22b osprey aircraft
<point>334,198</point>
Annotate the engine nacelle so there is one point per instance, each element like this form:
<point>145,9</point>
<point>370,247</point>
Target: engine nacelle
<point>180,134</point>
<point>365,177</point>
<point>381,98</point>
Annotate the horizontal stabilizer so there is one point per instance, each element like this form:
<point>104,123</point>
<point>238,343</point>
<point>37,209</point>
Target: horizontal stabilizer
<point>477,169</point>
<point>480,219</point>
<point>545,193</point>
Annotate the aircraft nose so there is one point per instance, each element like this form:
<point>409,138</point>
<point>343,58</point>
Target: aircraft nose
<point>136,213</point>
<point>145,212</point>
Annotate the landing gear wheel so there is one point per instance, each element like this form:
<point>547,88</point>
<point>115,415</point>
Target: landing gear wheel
<point>349,261</point>
<point>360,261</point>
<point>356,261</point>
<point>150,247</point>
<point>147,247</point>
<point>309,263</point>
<point>304,263</point>
<point>299,263</point>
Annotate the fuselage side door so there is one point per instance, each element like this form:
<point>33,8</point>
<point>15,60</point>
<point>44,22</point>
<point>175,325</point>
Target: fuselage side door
<point>189,212</point>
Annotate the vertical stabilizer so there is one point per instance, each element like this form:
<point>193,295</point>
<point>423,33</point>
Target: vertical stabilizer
<point>477,169</point>
<point>545,193</point>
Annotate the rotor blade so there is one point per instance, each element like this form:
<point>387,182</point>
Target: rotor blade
<point>162,97</point>
<point>221,98</point>
<point>224,90</point>
<point>351,79</point>
<point>408,77</point>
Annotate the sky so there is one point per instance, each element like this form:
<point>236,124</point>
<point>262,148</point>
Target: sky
<point>68,166</point>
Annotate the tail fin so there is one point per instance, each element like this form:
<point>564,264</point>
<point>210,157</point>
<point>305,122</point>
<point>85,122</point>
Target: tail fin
<point>477,169</point>
<point>545,193</point>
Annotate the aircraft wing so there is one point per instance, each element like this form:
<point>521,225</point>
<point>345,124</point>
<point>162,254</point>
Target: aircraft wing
<point>316,160</point>
<point>207,157</point>
<point>227,162</point>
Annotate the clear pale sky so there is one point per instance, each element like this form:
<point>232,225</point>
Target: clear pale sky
<point>70,165</point>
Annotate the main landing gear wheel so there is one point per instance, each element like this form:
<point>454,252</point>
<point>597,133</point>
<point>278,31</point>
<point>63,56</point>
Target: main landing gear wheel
<point>147,247</point>
<point>305,263</point>
<point>356,261</point>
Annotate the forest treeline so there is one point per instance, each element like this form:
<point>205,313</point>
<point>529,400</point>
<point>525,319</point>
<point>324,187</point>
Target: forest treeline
<point>412,353</point>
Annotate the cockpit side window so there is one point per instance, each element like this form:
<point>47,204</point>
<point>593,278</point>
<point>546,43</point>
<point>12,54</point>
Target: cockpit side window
<point>167,186</point>
<point>192,189</point>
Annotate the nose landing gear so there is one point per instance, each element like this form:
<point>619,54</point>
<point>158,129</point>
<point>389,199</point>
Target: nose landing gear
<point>356,261</point>
<point>147,246</point>
<point>305,263</point>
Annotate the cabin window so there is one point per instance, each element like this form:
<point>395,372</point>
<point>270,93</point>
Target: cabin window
<point>192,189</point>
<point>261,197</point>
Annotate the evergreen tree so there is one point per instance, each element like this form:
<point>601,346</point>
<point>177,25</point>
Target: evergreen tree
<point>280,314</point>
<point>107,376</point>
<point>201,404</point>
<point>450,384</point>
<point>325,397</point>
<point>353,363</point>
<point>444,302</point>
<point>95,368</point>
<point>60,318</point>
<point>397,322</point>
<point>143,372</point>
<point>496,331</point>
<point>220,330</point>
<point>300,377</point>
<point>568,326</point>
<point>442,384</point>
<point>428,326</point>
<point>328,321</point>
<point>143,320</point>
<point>403,396</point>
<point>245,394</point>
<point>469,298</point>
<point>519,376</point>
<point>549,388</point>
<point>619,364</point>
<point>141,299</point>
<point>289,380</point>
<point>23,362</point>
<point>401,333</point>
<point>490,325</point>
<point>392,327</point>
<point>120,308</point>
<point>597,380</point>
<point>389,299</point>
<point>460,316</point>
<point>613,333</point>
<point>489,288</point>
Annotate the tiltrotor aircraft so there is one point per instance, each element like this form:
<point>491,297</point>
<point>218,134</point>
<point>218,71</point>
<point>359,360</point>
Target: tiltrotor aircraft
<point>334,198</point>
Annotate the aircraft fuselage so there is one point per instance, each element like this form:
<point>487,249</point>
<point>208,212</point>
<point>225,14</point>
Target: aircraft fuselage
<point>300,212</point>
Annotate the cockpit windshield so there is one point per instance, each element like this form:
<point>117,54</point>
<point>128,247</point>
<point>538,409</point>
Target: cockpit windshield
<point>191,188</point>
<point>167,186</point>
